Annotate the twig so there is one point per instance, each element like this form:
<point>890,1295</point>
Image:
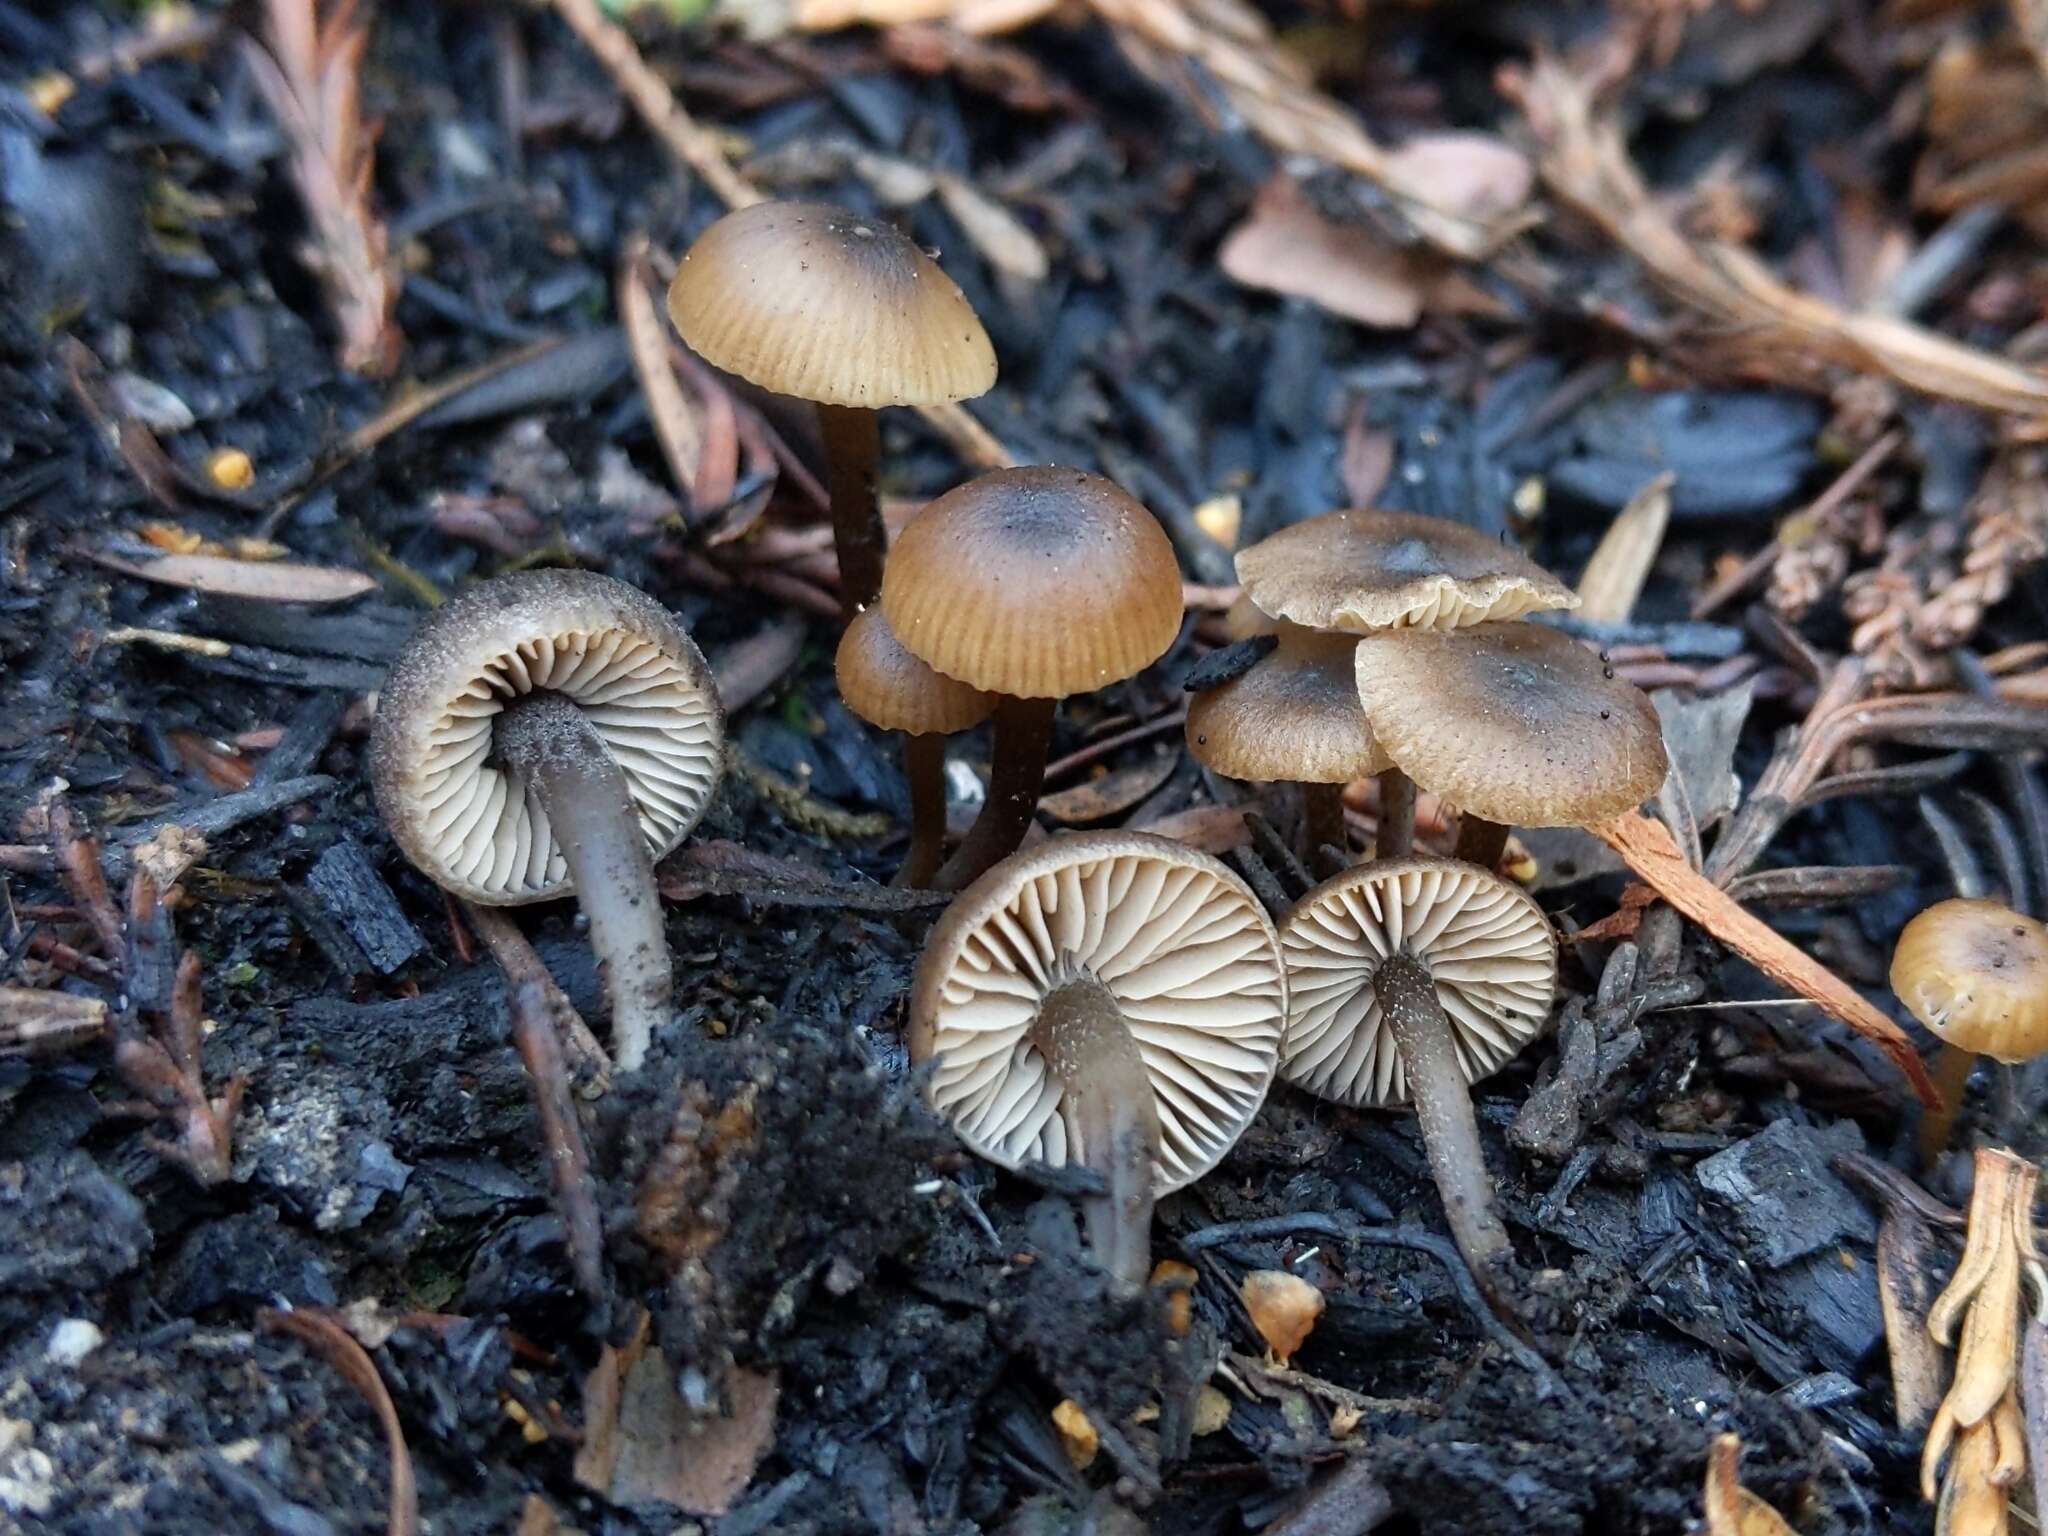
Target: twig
<point>516,958</point>
<point>1467,1287</point>
<point>334,1343</point>
<point>540,1048</point>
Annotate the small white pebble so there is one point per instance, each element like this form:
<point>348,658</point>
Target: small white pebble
<point>928,1188</point>
<point>71,1341</point>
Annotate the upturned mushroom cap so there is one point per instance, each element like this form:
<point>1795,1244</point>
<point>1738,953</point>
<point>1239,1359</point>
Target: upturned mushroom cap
<point>812,301</point>
<point>1367,570</point>
<point>1179,941</point>
<point>1487,946</point>
<point>1294,716</point>
<point>1517,723</point>
<point>1034,582</point>
<point>1976,974</point>
<point>468,821</point>
<point>891,689</point>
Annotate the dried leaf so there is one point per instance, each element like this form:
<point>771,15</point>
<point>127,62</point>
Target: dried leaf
<point>675,423</point>
<point>268,581</point>
<point>1648,848</point>
<point>1905,1287</point>
<point>1111,795</point>
<point>1701,732</point>
<point>32,1019</point>
<point>1732,1510</point>
<point>1213,829</point>
<point>1621,563</point>
<point>1477,176</point>
<point>1285,246</point>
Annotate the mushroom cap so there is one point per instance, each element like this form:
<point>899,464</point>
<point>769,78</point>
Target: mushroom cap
<point>470,823</point>
<point>1180,942</point>
<point>1976,974</point>
<point>1487,946</point>
<point>1293,717</point>
<point>815,302</point>
<point>1367,570</point>
<point>1518,723</point>
<point>1034,582</point>
<point>891,689</point>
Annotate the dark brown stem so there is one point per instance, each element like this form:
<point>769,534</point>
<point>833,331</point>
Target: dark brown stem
<point>1951,1071</point>
<point>1022,738</point>
<point>1450,1131</point>
<point>1322,807</point>
<point>521,964</point>
<point>924,765</point>
<point>1481,841</point>
<point>1111,1117</point>
<point>1396,838</point>
<point>590,807</point>
<point>853,449</point>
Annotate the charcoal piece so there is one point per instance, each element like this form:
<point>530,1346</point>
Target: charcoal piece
<point>1833,1294</point>
<point>65,1225</point>
<point>347,884</point>
<point>1733,454</point>
<point>246,1260</point>
<point>1780,1194</point>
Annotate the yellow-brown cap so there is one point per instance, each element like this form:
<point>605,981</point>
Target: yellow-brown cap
<point>890,688</point>
<point>1034,582</point>
<point>1293,717</point>
<point>1976,974</point>
<point>1517,723</point>
<point>821,304</point>
<point>1363,570</point>
<point>472,825</point>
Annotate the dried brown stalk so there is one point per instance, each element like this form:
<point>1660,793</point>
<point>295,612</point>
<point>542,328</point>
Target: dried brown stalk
<point>309,70</point>
<point>1767,329</point>
<point>33,1019</point>
<point>330,1339</point>
<point>1731,1509</point>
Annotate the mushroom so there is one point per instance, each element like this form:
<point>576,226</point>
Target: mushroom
<point>1516,724</point>
<point>1364,570</point>
<point>822,304</point>
<point>1284,1308</point>
<point>1975,973</point>
<point>1408,979</point>
<point>891,689</point>
<point>1294,717</point>
<point>1032,584</point>
<point>1110,1000</point>
<point>552,731</point>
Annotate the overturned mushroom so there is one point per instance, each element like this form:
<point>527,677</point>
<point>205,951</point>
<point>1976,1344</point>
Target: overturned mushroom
<point>1112,1000</point>
<point>888,687</point>
<point>1407,980</point>
<point>822,304</point>
<point>552,731</point>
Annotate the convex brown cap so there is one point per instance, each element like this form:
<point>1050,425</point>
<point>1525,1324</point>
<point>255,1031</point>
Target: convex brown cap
<point>892,690</point>
<point>1366,570</point>
<point>1176,937</point>
<point>812,301</point>
<point>1293,717</point>
<point>1038,583</point>
<point>1517,723</point>
<point>1487,946</point>
<point>472,826</point>
<point>1976,974</point>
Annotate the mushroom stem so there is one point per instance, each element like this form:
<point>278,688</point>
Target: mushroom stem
<point>1023,735</point>
<point>924,765</point>
<point>1443,1107</point>
<point>853,448</point>
<point>1110,1114</point>
<point>584,792</point>
<point>1481,841</point>
<point>1951,1071</point>
<point>1396,836</point>
<point>1323,820</point>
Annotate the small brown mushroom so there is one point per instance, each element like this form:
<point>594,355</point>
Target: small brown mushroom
<point>1112,1000</point>
<point>1515,724</point>
<point>1284,1308</point>
<point>1975,973</point>
<point>822,304</point>
<point>551,731</point>
<point>1032,584</point>
<point>1293,718</point>
<point>1409,979</point>
<point>891,689</point>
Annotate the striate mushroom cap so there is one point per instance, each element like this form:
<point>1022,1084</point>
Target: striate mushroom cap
<point>1180,942</point>
<point>1517,723</point>
<point>1037,583</point>
<point>818,303</point>
<point>1976,974</point>
<point>470,823</point>
<point>1365,570</point>
<point>1487,946</point>
<point>1294,717</point>
<point>892,690</point>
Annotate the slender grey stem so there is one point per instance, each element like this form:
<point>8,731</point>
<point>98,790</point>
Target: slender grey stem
<point>1396,837</point>
<point>1443,1106</point>
<point>1110,1113</point>
<point>1023,736</point>
<point>1480,841</point>
<point>853,451</point>
<point>584,792</point>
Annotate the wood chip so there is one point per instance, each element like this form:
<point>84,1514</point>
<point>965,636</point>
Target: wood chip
<point>270,581</point>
